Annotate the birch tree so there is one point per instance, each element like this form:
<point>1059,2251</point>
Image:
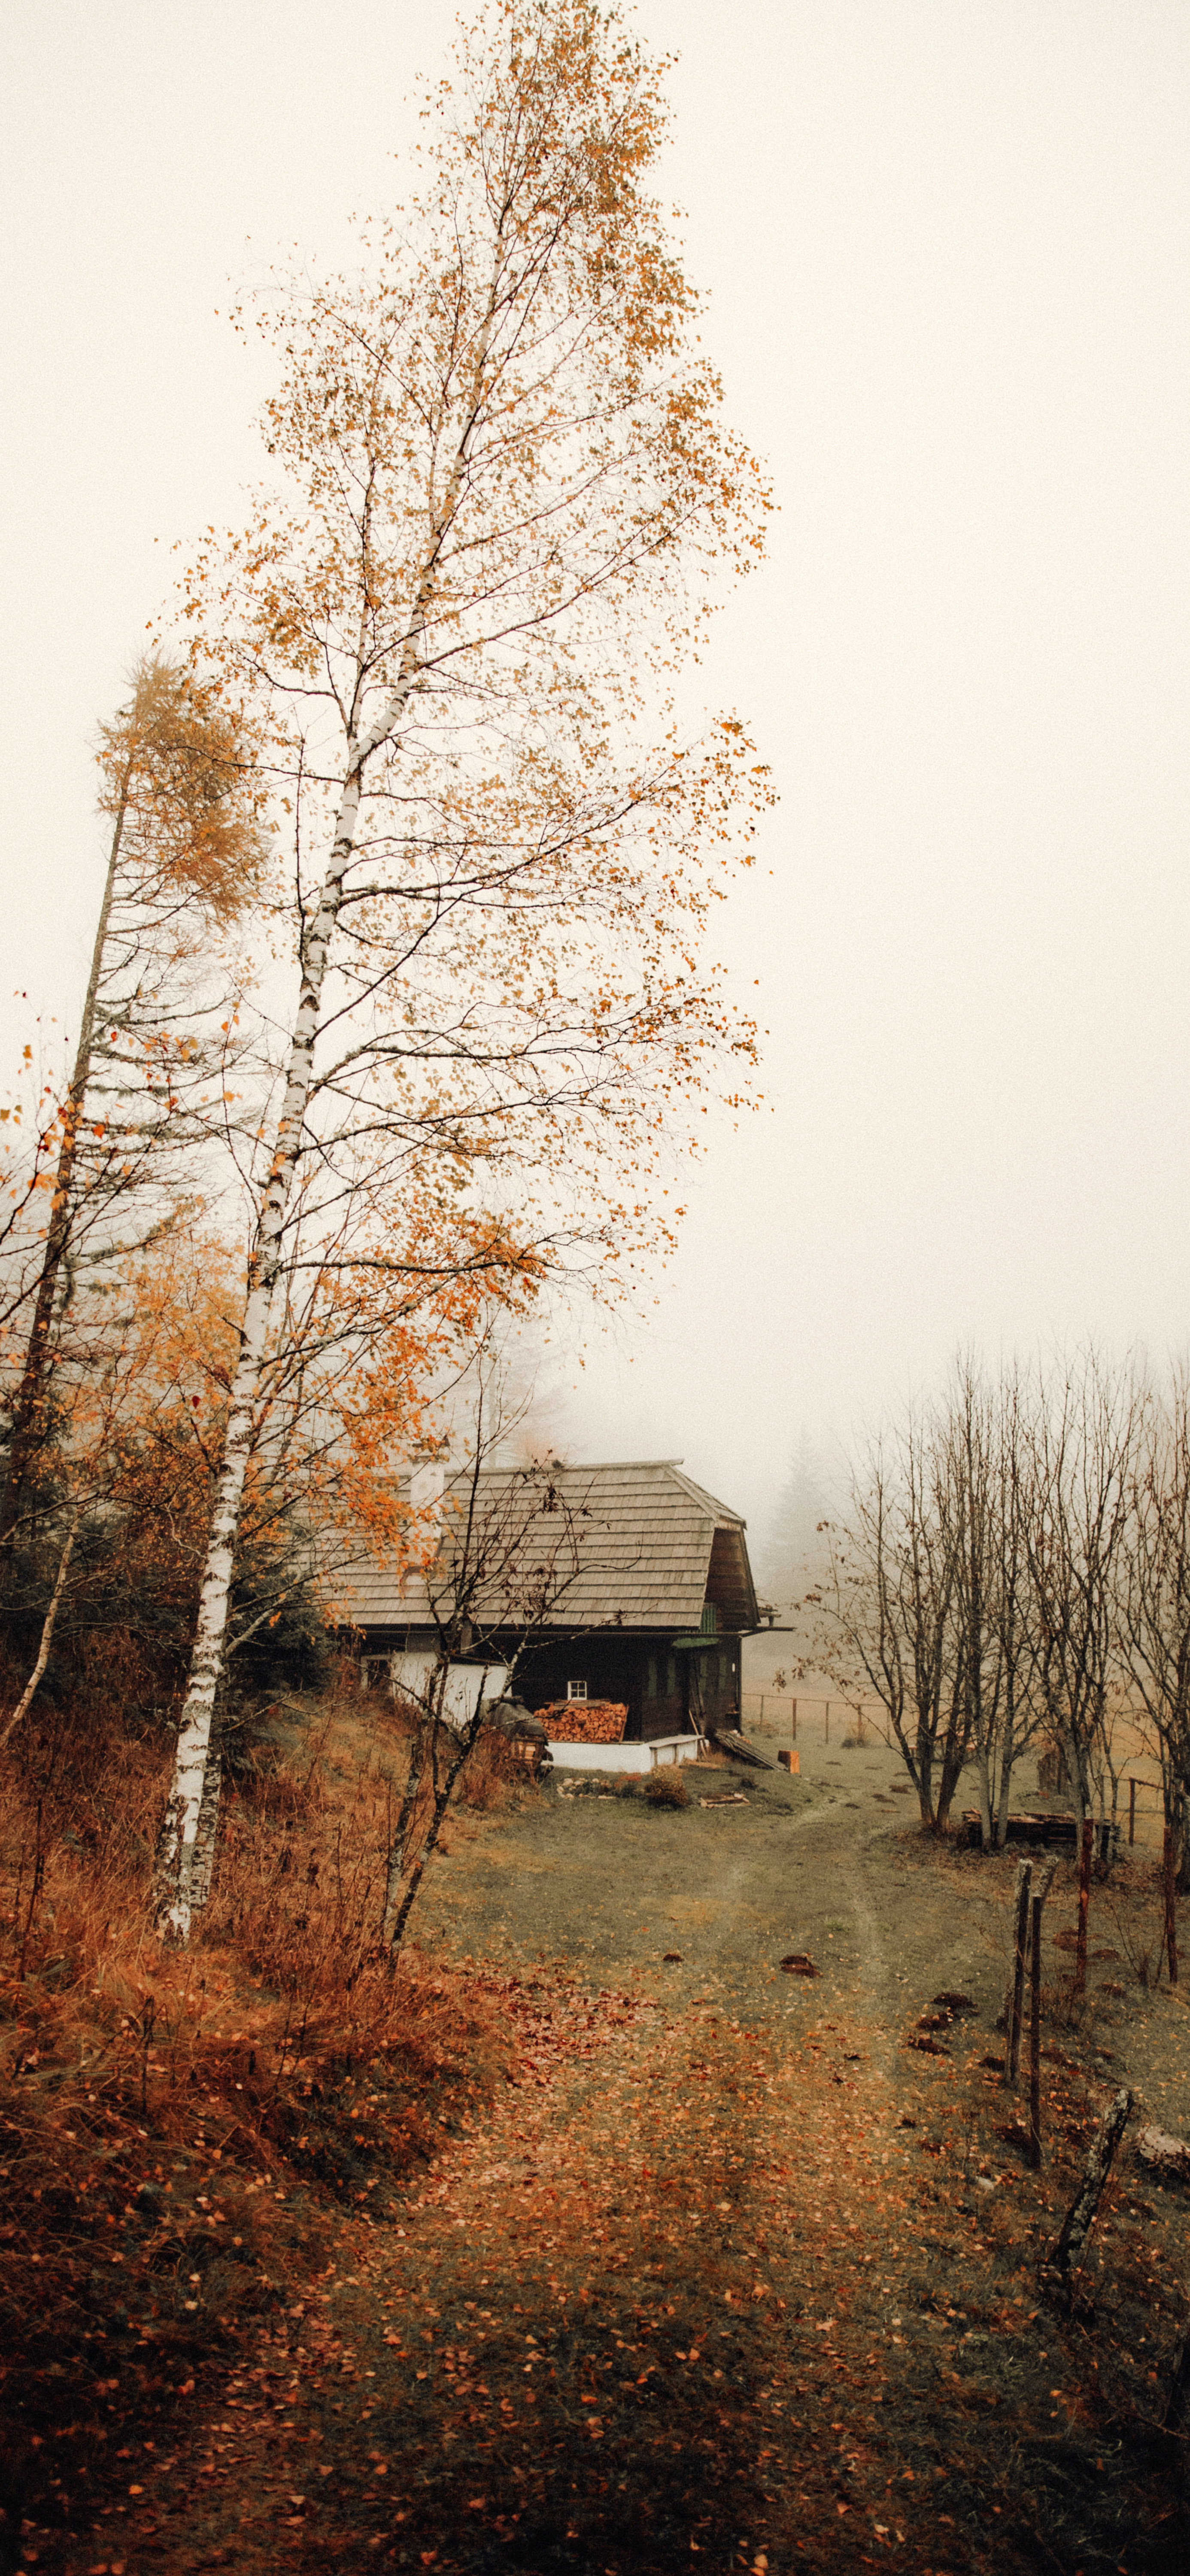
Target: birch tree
<point>148,1077</point>
<point>500,487</point>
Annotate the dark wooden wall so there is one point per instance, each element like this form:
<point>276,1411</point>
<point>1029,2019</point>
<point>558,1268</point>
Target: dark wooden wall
<point>668,1690</point>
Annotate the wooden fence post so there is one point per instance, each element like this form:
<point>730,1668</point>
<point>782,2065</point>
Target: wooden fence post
<point>1014,1998</point>
<point>793,1738</point>
<point>1035,2018</point>
<point>1077,2224</point>
<point>1084,1901</point>
<point>1035,2038</point>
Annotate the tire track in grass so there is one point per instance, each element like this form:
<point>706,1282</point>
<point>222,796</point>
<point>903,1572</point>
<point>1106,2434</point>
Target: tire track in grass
<point>683,2293</point>
<point>626,2320</point>
<point>686,2292</point>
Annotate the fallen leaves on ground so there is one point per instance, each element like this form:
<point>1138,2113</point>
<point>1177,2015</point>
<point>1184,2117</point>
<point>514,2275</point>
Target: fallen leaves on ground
<point>683,2288</point>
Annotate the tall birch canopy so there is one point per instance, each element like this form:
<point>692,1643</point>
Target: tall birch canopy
<point>502,497</point>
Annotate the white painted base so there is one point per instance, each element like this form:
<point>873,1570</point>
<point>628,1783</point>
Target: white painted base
<point>626,1757</point>
<point>413,1673</point>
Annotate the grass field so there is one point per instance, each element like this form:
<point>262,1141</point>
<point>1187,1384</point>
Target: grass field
<point>604,2243</point>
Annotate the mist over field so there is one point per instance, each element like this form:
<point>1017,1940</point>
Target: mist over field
<point>945,260</point>
<point>594,1274</point>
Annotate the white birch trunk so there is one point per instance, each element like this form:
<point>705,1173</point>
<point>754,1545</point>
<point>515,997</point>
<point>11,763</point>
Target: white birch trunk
<point>175,1876</point>
<point>176,1846</point>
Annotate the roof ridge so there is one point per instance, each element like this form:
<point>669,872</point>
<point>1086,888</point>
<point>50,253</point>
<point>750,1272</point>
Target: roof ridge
<point>562,1466</point>
<point>704,1495</point>
<point>712,1503</point>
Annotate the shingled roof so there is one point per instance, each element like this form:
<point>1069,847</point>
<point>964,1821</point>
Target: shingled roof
<point>646,1547</point>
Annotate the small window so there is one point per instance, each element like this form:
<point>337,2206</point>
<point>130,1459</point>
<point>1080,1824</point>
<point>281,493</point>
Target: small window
<point>651,1678</point>
<point>710,1619</point>
<point>576,1690</point>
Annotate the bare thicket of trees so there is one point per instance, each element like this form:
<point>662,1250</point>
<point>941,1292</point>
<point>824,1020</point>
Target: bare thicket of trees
<point>1152,1596</point>
<point>509,1552</point>
<point>1085,1430</point>
<point>1014,1570</point>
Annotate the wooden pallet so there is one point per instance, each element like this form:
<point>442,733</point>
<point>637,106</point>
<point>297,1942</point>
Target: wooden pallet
<point>1035,1832</point>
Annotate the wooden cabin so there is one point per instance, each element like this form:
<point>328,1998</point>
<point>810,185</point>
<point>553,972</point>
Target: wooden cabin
<point>625,1582</point>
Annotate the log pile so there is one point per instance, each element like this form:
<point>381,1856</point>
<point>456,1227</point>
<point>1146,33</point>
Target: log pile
<point>585,1721</point>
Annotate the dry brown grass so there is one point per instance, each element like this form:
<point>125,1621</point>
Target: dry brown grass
<point>176,2130</point>
<point>198,2151</point>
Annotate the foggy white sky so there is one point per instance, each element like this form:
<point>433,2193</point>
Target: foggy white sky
<point>947,251</point>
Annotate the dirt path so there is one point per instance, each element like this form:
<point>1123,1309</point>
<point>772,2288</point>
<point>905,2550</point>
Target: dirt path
<point>820,1863</point>
<point>729,2276</point>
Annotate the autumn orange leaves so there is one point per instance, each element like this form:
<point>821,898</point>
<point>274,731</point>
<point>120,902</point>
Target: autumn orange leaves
<point>427,746</point>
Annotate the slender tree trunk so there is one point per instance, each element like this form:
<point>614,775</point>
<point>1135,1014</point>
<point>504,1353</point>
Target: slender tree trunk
<point>418,1871</point>
<point>28,1406</point>
<point>396,1856</point>
<point>442,1798</point>
<point>1170,1883</point>
<point>953,1752</point>
<point>896,1722</point>
<point>47,1632</point>
<point>985,1799</point>
<point>951,1771</point>
<point>1007,1757</point>
<point>924,1779</point>
<point>1078,1766</point>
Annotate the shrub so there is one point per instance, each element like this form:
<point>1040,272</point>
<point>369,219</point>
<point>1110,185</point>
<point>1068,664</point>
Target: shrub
<point>277,2048</point>
<point>666,1788</point>
<point>494,1772</point>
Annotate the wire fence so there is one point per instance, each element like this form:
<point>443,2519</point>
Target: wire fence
<point>809,1718</point>
<point>826,1721</point>
<point>1146,1817</point>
